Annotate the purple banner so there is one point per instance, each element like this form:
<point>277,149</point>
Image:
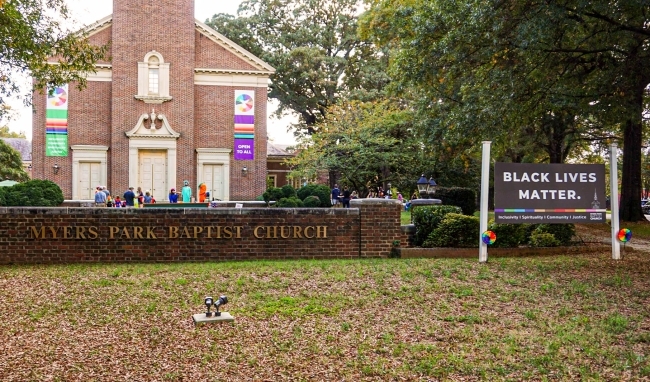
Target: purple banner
<point>244,149</point>
<point>245,119</point>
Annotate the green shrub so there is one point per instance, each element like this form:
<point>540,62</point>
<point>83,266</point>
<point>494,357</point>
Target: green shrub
<point>320,190</point>
<point>543,239</point>
<point>455,230</point>
<point>288,191</point>
<point>291,202</point>
<point>37,193</point>
<point>563,233</point>
<point>273,193</point>
<point>463,197</point>
<point>427,218</point>
<point>509,235</point>
<point>311,201</point>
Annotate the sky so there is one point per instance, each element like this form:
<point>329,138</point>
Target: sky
<point>86,12</point>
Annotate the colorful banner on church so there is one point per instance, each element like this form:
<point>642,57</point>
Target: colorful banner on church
<point>56,122</point>
<point>244,125</point>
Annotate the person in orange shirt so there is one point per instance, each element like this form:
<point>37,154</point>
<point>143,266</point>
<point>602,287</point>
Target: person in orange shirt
<point>202,189</point>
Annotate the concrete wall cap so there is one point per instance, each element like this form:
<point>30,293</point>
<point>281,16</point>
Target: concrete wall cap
<point>373,201</point>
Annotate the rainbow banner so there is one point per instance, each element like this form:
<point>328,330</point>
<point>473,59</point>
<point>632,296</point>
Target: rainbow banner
<point>244,124</point>
<point>56,122</point>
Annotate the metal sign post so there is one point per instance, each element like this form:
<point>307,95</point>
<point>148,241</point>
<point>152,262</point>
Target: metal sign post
<point>613,187</point>
<point>485,189</point>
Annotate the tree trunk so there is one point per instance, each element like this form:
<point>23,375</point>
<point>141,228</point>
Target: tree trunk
<point>631,182</point>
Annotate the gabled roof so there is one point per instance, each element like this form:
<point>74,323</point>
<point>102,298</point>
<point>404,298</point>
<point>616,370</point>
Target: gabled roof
<point>205,30</point>
<point>273,150</point>
<point>23,146</point>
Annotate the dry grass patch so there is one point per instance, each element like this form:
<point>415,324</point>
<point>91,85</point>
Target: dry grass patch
<point>556,318</point>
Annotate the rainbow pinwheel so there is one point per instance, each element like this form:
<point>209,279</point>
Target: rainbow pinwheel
<point>624,235</point>
<point>489,237</point>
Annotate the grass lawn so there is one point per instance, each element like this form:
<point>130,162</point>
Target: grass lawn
<point>556,318</point>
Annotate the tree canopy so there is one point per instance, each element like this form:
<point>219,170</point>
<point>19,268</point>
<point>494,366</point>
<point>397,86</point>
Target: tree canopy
<point>315,48</point>
<point>544,76</point>
<point>5,133</point>
<point>31,33</point>
<point>11,165</point>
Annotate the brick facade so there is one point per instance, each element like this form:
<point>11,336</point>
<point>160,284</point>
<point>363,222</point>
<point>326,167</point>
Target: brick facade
<point>201,110</point>
<point>158,234</point>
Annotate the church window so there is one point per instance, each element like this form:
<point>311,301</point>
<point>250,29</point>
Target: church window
<point>153,79</point>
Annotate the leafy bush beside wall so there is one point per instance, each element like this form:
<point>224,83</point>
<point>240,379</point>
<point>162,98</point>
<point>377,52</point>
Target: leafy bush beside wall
<point>509,235</point>
<point>455,230</point>
<point>318,195</point>
<point>320,190</point>
<point>35,193</point>
<point>427,218</point>
<point>563,233</point>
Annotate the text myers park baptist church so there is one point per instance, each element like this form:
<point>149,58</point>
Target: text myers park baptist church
<point>193,232</point>
<point>543,177</point>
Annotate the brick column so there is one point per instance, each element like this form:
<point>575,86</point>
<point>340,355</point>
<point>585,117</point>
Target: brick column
<point>380,225</point>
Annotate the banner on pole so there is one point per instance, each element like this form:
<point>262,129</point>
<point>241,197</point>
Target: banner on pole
<point>56,122</point>
<point>244,125</point>
<point>549,193</point>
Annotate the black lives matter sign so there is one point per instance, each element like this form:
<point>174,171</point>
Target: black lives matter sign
<point>549,193</point>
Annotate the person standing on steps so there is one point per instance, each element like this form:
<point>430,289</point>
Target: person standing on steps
<point>173,196</point>
<point>129,196</point>
<point>202,191</point>
<point>100,197</point>
<point>186,192</point>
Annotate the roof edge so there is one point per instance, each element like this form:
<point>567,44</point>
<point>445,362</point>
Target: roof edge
<point>97,26</point>
<point>231,46</point>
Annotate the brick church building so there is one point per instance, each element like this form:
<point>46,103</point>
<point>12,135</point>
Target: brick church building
<point>175,101</point>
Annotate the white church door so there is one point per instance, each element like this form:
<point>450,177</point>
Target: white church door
<point>153,174</point>
<point>89,178</point>
<point>213,179</point>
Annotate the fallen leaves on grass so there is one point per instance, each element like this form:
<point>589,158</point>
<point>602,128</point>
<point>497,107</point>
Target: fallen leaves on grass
<point>561,318</point>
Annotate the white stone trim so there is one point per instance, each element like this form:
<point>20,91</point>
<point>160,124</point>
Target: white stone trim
<point>220,156</point>
<point>231,71</point>
<point>98,26</point>
<point>88,153</point>
<point>163,80</point>
<point>101,75</point>
<point>214,79</point>
<point>141,131</point>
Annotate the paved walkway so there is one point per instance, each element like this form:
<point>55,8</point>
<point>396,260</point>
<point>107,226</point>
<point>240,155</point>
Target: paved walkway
<point>594,234</point>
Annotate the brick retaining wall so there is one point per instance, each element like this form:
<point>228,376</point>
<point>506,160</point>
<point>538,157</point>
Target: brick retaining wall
<point>31,235</point>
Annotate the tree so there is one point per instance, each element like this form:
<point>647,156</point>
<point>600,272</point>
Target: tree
<point>366,143</point>
<point>5,133</point>
<point>32,34</point>
<point>313,45</point>
<point>565,71</point>
<point>11,166</point>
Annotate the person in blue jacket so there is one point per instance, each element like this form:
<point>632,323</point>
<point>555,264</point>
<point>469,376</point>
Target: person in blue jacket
<point>173,196</point>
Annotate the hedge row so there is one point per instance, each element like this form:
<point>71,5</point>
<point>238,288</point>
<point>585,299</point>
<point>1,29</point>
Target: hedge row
<point>445,226</point>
